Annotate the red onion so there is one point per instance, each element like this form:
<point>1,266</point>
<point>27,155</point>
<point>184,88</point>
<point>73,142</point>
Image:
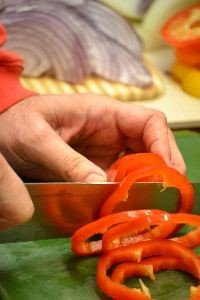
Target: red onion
<point>73,42</point>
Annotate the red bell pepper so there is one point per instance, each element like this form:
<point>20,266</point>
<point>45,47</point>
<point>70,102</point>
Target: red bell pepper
<point>124,234</point>
<point>195,293</point>
<point>116,227</point>
<point>171,178</point>
<point>81,246</point>
<point>133,162</point>
<point>182,33</point>
<point>148,267</point>
<point>136,253</point>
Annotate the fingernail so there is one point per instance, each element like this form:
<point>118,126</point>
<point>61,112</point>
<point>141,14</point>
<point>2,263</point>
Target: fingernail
<point>95,177</point>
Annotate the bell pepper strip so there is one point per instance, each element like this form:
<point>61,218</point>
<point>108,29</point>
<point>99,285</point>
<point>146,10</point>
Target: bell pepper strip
<point>182,32</point>
<point>189,57</point>
<point>195,293</point>
<point>82,247</point>
<point>148,267</point>
<point>133,162</point>
<point>190,240</point>
<point>171,178</point>
<point>124,234</point>
<point>121,229</point>
<point>135,253</point>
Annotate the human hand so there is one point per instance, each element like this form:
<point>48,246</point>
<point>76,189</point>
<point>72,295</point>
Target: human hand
<point>66,137</point>
<point>15,203</point>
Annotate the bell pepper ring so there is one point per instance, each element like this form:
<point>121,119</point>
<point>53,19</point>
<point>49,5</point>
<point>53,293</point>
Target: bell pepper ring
<point>171,178</point>
<point>182,30</point>
<point>124,234</point>
<point>79,241</point>
<point>148,267</point>
<point>121,229</point>
<point>195,293</point>
<point>133,162</point>
<point>135,253</point>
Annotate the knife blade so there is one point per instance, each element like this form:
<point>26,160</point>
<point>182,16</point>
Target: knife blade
<point>62,207</point>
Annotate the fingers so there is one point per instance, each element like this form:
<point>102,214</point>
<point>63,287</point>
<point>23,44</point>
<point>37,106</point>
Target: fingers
<point>148,129</point>
<point>155,136</point>
<point>53,154</point>
<point>159,139</point>
<point>176,157</point>
<point>15,204</point>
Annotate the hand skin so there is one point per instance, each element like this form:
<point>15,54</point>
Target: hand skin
<point>76,137</point>
<point>15,203</point>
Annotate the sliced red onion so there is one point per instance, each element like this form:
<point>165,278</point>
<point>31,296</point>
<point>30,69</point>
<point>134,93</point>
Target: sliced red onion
<point>109,59</point>
<point>65,42</point>
<point>64,55</point>
<point>100,16</point>
<point>25,4</point>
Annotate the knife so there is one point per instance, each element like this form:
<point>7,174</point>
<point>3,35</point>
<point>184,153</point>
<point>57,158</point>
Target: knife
<point>62,207</point>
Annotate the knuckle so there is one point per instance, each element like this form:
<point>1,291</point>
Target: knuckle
<point>35,133</point>
<point>73,168</point>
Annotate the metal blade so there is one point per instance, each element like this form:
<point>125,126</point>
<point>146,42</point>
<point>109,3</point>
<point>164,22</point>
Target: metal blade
<point>61,208</point>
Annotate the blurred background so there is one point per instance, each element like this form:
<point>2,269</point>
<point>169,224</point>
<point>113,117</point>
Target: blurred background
<point>146,51</point>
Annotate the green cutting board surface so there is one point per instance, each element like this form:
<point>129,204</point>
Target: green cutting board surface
<point>47,270</point>
<point>189,145</point>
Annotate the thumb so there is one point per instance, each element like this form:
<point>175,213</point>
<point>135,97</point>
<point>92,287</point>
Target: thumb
<point>16,206</point>
<point>50,151</point>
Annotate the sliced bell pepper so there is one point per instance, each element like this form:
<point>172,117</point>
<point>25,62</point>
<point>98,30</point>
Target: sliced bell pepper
<point>122,229</point>
<point>79,241</point>
<point>133,162</point>
<point>124,234</point>
<point>195,293</point>
<point>190,240</point>
<point>148,267</point>
<point>136,253</point>
<point>171,178</point>
<point>189,57</point>
<point>182,32</point>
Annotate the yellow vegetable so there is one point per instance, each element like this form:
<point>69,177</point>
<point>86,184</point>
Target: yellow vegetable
<point>179,71</point>
<point>191,83</point>
<point>188,77</point>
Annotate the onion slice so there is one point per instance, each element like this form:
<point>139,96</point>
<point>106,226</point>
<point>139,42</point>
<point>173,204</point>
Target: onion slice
<point>73,42</point>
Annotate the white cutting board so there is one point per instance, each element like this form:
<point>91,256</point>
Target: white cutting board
<point>181,109</point>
